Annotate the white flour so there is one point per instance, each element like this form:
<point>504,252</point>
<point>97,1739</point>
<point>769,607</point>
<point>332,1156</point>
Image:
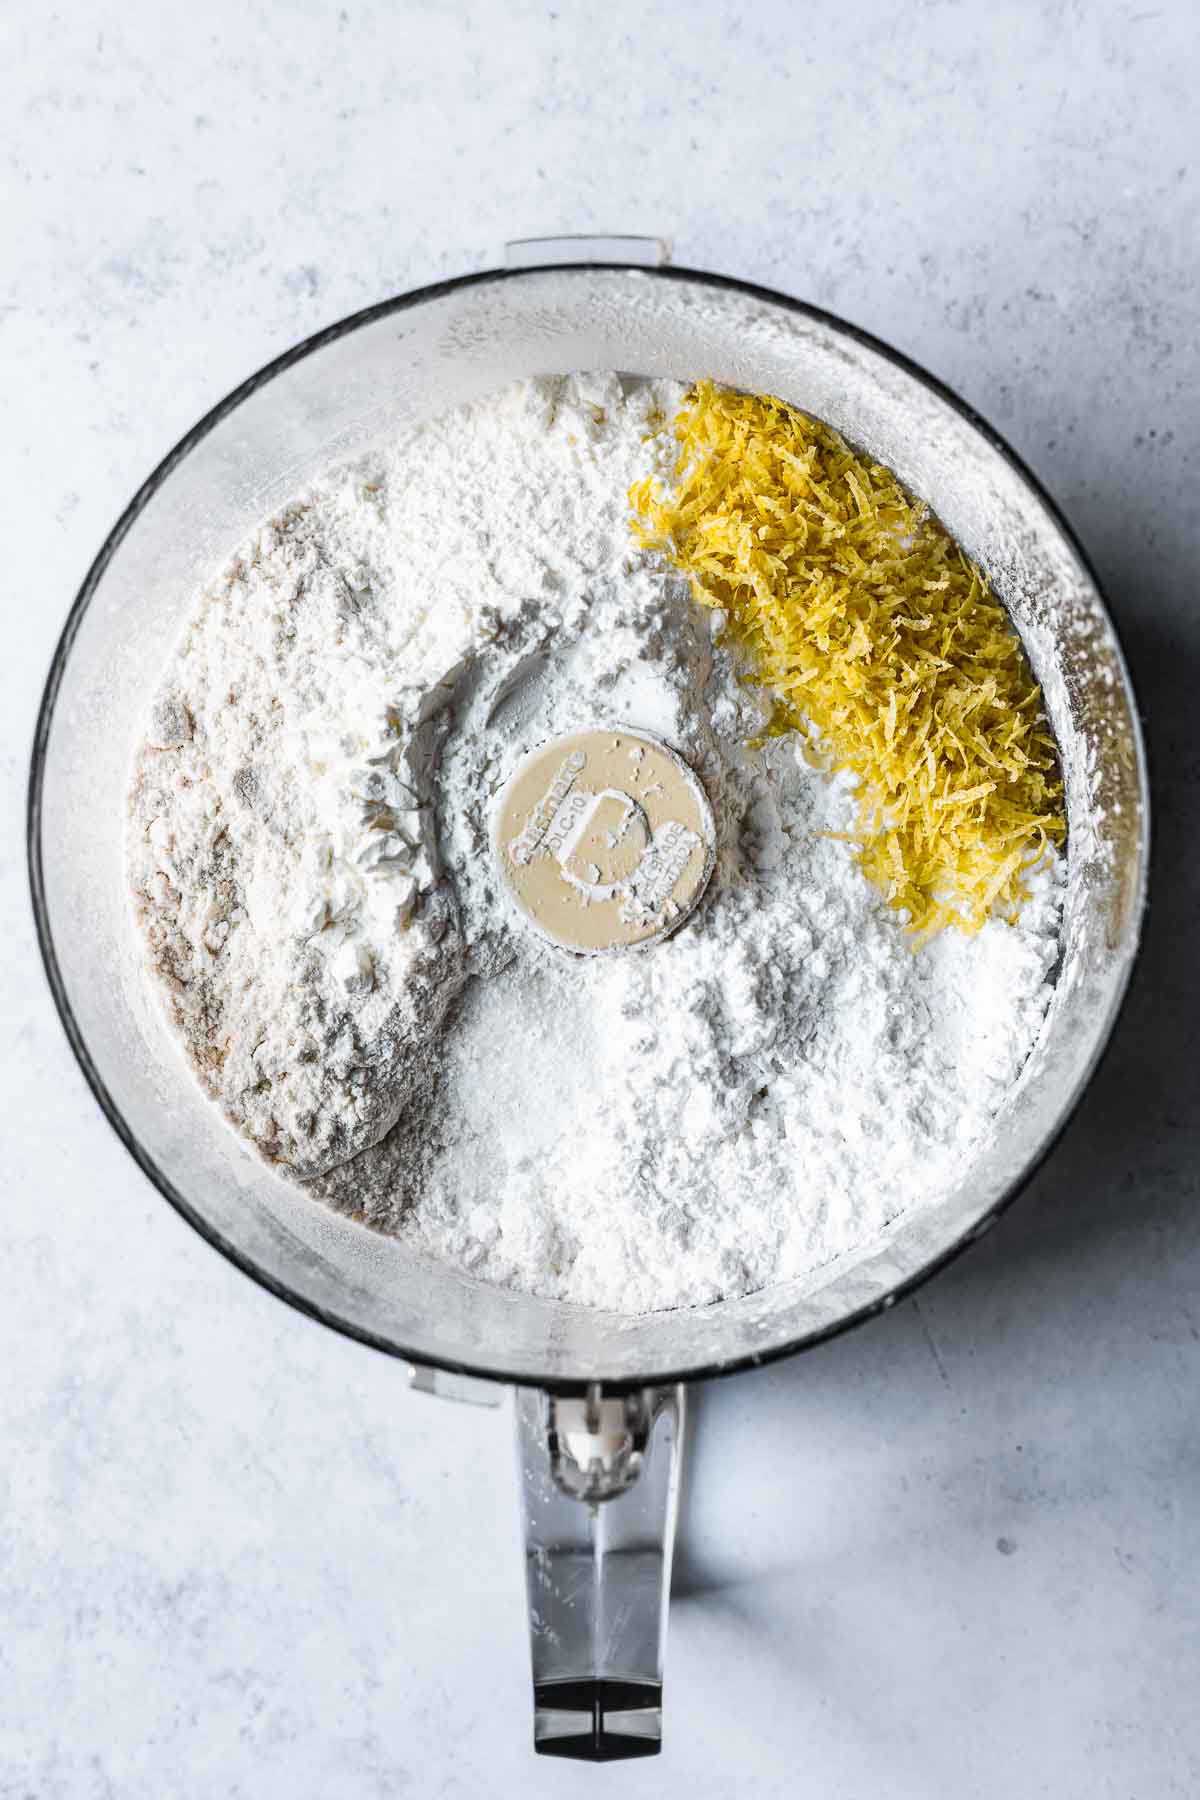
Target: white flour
<point>744,1103</point>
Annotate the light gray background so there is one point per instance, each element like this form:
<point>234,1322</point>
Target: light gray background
<point>952,1555</point>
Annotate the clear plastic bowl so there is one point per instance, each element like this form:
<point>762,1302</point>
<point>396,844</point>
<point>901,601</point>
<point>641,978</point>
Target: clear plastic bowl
<point>333,396</point>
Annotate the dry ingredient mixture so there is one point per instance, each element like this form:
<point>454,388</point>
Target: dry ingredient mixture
<point>754,1098</point>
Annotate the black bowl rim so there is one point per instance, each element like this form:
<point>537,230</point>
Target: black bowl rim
<point>329,334</point>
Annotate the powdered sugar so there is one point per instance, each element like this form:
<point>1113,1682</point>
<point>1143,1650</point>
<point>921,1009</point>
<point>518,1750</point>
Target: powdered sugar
<point>756,1097</point>
<point>743,1103</point>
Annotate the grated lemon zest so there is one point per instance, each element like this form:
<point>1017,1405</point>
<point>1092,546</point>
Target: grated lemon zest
<point>863,616</point>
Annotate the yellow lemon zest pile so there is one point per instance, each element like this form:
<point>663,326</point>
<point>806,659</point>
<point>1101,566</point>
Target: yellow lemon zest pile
<point>866,619</point>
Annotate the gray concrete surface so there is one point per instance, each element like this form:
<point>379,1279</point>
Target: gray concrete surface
<point>954,1554</point>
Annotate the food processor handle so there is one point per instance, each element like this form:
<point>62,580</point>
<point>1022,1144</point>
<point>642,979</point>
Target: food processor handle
<point>600,1489</point>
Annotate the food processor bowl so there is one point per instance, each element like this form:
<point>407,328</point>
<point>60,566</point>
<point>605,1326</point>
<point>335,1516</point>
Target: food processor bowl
<point>360,381</point>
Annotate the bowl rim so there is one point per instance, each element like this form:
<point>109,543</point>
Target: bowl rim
<point>160,474</point>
